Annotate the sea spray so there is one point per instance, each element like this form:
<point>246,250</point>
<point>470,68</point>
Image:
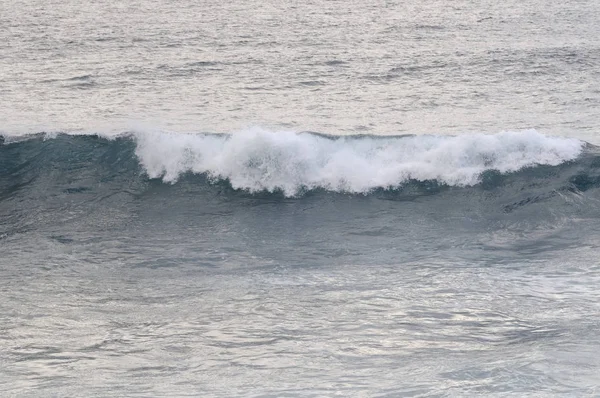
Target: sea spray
<point>259,160</point>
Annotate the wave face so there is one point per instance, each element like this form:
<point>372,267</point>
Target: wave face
<point>425,188</point>
<point>288,163</point>
<point>293,163</point>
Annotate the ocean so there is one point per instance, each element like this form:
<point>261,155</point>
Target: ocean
<point>299,199</point>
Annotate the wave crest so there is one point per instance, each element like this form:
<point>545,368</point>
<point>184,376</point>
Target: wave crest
<point>258,160</point>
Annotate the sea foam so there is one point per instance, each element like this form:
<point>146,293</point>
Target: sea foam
<point>258,160</point>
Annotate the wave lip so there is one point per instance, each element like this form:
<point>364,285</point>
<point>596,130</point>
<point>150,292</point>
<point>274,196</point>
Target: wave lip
<point>258,160</point>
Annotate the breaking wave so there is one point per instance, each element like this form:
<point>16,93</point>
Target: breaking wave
<point>290,163</point>
<point>259,160</point>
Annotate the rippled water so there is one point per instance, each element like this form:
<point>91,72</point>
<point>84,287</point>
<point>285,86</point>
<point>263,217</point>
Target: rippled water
<point>329,66</point>
<point>276,263</point>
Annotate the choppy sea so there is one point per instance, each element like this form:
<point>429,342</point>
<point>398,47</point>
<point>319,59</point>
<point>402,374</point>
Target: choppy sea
<point>285,199</point>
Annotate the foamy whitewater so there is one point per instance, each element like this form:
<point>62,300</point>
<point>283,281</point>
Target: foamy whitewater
<point>299,199</point>
<point>258,160</point>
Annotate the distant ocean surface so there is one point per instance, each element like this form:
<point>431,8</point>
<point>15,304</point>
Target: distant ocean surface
<point>282,199</point>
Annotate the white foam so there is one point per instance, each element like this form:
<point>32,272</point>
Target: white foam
<point>257,160</point>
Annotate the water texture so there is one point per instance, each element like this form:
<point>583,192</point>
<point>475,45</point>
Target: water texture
<point>335,67</point>
<point>282,199</point>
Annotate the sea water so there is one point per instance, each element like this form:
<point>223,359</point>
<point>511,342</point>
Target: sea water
<point>319,198</point>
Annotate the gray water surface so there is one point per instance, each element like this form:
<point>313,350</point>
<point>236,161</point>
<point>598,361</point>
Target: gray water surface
<point>115,284</point>
<point>380,67</point>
